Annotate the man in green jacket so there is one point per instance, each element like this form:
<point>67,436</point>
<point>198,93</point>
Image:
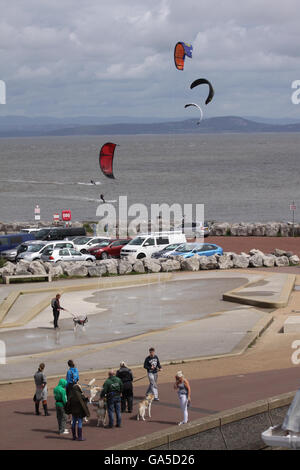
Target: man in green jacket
<point>112,389</point>
<point>60,396</point>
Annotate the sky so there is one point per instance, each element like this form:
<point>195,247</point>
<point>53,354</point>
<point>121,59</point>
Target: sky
<point>115,58</point>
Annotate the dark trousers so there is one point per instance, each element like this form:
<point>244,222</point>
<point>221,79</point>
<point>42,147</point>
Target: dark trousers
<point>127,397</point>
<point>61,418</point>
<point>113,405</point>
<point>55,316</point>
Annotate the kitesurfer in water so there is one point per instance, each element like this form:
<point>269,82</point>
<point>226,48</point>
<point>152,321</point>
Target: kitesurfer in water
<point>93,182</point>
<point>102,198</point>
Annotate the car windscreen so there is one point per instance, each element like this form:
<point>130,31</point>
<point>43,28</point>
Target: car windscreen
<point>104,243</point>
<point>185,247</point>
<point>137,241</point>
<point>171,247</point>
<point>81,240</point>
<point>34,248</point>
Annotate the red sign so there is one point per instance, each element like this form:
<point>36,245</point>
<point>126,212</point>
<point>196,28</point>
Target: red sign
<point>66,216</point>
<point>293,207</point>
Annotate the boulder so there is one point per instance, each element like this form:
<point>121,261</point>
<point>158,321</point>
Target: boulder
<point>259,230</point>
<point>152,265</point>
<point>224,262</point>
<point>170,265</point>
<point>21,269</point>
<point>269,261</point>
<point>208,262</point>
<point>55,270</point>
<point>36,267</point>
<point>96,271</point>
<point>284,230</point>
<point>239,230</point>
<point>76,269</point>
<point>110,264</point>
<point>220,229</point>
<point>8,269</point>
<point>124,267</point>
<point>138,266</point>
<point>256,261</point>
<point>254,251</point>
<point>272,229</point>
<point>190,264</point>
<point>278,252</point>
<point>240,261</point>
<point>294,260</point>
<point>281,261</point>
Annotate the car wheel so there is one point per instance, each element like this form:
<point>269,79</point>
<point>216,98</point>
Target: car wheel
<point>89,259</point>
<point>141,256</point>
<point>104,256</point>
<point>84,252</point>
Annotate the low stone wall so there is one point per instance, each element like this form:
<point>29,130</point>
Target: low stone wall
<point>99,268</point>
<point>236,429</point>
<point>244,229</point>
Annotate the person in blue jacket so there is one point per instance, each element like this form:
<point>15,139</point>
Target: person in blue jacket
<point>72,376</point>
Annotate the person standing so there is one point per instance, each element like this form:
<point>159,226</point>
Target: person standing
<point>72,376</point>
<point>126,376</point>
<point>184,394</point>
<point>77,407</point>
<point>152,365</point>
<point>112,389</point>
<point>41,392</point>
<point>56,307</point>
<point>60,397</point>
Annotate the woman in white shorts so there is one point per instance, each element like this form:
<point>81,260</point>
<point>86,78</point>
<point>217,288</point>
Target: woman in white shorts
<point>184,394</point>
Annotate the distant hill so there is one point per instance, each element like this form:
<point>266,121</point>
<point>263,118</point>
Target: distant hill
<point>18,126</point>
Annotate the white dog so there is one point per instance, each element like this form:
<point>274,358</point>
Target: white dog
<point>145,405</point>
<point>93,390</point>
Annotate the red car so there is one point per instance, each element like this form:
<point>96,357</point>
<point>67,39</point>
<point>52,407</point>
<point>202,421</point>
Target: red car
<point>109,248</point>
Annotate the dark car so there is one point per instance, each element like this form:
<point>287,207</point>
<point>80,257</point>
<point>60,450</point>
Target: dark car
<point>59,233</point>
<point>109,248</point>
<point>161,253</point>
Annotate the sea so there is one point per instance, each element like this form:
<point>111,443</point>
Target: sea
<point>237,177</point>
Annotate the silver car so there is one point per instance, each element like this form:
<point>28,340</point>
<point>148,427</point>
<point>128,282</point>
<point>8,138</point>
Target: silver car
<point>66,254</point>
<point>83,244</point>
<point>35,250</point>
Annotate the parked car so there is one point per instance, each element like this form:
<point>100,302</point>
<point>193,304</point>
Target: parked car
<point>34,251</point>
<point>145,244</point>
<point>202,249</point>
<point>166,250</point>
<point>12,240</point>
<point>11,255</point>
<point>66,254</point>
<point>109,248</point>
<point>59,233</point>
<point>85,243</point>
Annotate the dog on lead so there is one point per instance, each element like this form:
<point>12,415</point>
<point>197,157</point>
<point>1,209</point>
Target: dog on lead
<point>98,402</point>
<point>145,405</point>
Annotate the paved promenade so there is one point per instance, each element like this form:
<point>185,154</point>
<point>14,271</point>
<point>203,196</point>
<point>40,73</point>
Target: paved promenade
<point>21,429</point>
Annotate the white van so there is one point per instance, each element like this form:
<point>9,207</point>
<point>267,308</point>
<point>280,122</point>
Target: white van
<point>147,243</point>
